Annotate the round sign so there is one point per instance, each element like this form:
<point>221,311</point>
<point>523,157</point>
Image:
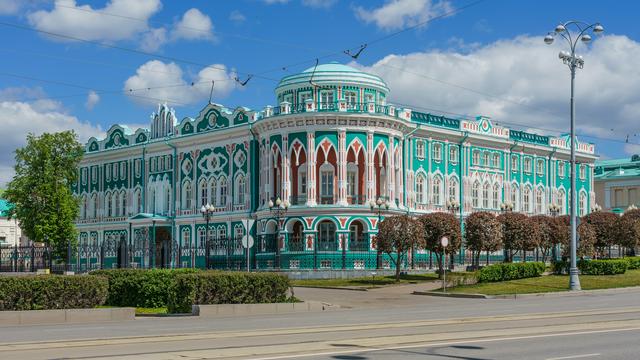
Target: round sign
<point>247,241</point>
<point>444,241</point>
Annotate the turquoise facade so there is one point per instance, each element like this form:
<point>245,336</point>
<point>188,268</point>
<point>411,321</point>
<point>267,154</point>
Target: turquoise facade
<point>329,149</point>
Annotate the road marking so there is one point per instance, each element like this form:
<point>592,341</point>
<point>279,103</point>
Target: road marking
<point>448,343</point>
<point>574,357</point>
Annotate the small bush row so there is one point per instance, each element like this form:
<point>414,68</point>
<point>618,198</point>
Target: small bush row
<point>140,288</point>
<point>213,287</point>
<point>598,267</point>
<point>510,271</point>
<point>52,292</point>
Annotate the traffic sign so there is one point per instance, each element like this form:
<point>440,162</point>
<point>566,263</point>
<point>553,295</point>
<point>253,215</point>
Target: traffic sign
<point>247,241</point>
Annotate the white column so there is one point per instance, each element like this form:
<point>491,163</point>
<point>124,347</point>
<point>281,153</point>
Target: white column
<point>370,173</point>
<point>311,169</point>
<point>342,168</point>
<point>286,187</point>
<point>391,173</point>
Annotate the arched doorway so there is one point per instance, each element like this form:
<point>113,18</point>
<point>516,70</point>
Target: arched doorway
<point>123,252</point>
<point>358,239</point>
<point>296,237</point>
<point>327,240</point>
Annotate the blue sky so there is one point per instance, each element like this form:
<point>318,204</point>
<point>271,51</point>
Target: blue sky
<point>486,59</point>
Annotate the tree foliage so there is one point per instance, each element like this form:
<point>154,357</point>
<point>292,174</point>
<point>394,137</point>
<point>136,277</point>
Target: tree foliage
<point>439,224</point>
<point>604,225</point>
<point>517,233</point>
<point>587,237</point>
<point>628,226</point>
<point>46,169</point>
<point>396,235</point>
<point>483,232</point>
<point>549,233</point>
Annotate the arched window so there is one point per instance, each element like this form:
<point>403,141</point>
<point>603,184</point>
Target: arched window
<point>188,195</point>
<point>352,179</point>
<point>138,201</point>
<point>476,157</point>
<point>420,198</point>
<point>213,192</point>
<point>186,237</point>
<point>202,237</point>
<point>540,201</point>
<point>475,194</point>
<point>223,192</point>
<point>357,239</point>
<point>515,197</point>
<point>485,158</point>
<point>83,207</point>
<point>326,183</point>
<point>496,196</point>
<point>203,192</point>
<point>240,189</point>
<point>562,200</point>
<point>437,190</point>
<point>583,204</point>
<point>327,236</point>
<point>123,203</point>
<point>296,242</point>
<point>94,206</point>
<point>108,205</point>
<point>485,195</point>
<point>496,160</point>
<point>526,199</point>
<point>453,189</point>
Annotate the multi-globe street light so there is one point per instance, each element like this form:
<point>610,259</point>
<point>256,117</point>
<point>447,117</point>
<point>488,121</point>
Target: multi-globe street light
<point>378,206</point>
<point>207,210</point>
<point>278,210</point>
<point>573,32</point>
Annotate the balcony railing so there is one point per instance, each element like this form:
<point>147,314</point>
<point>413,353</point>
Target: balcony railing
<point>327,199</point>
<point>334,106</point>
<point>356,200</point>
<point>299,200</point>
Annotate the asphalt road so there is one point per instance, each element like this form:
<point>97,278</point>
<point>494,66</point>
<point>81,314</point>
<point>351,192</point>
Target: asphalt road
<point>421,327</point>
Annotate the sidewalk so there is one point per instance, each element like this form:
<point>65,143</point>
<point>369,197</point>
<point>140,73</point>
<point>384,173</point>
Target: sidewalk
<point>388,296</point>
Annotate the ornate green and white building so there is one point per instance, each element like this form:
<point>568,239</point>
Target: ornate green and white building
<point>330,147</point>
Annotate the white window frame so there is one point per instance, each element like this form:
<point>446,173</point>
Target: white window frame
<point>437,151</point>
<point>453,154</point>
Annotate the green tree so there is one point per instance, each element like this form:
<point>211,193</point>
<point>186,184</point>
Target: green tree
<point>483,232</point>
<point>604,225</point>
<point>629,230</point>
<point>548,234</point>
<point>439,224</point>
<point>587,237</point>
<point>516,232</point>
<point>397,234</point>
<point>41,190</point>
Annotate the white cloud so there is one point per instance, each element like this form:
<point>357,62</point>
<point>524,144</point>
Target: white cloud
<point>529,85</point>
<point>85,22</point>
<point>398,14</point>
<point>194,25</point>
<point>270,2</point>
<point>92,100</point>
<point>167,82</point>
<point>18,118</point>
<point>153,39</point>
<point>237,17</point>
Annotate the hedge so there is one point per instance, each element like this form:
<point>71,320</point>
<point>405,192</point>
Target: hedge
<point>634,263</point>
<point>140,288</point>
<point>52,292</point>
<point>510,271</point>
<point>215,287</point>
<point>598,267</point>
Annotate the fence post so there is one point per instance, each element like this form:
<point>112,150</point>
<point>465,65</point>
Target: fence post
<point>344,251</point>
<point>15,258</point>
<point>33,256</point>
<point>68,255</point>
<point>102,256</point>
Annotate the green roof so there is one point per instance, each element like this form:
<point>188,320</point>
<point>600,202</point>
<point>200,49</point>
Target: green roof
<point>617,174</point>
<point>4,207</point>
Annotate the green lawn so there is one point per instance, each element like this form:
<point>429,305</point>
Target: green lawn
<point>366,281</point>
<point>551,283</point>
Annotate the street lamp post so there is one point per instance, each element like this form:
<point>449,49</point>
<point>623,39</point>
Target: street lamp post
<point>573,61</point>
<point>378,206</point>
<point>207,210</point>
<point>278,210</point>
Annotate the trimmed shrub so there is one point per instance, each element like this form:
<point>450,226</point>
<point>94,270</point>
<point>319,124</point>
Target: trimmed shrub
<point>510,271</point>
<point>603,267</point>
<point>52,292</point>
<point>215,287</point>
<point>138,287</point>
<point>596,267</point>
<point>633,263</point>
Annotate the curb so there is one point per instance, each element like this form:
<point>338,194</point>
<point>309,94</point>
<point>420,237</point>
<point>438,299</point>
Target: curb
<point>219,310</point>
<point>453,295</point>
<point>65,316</point>
<point>334,287</point>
